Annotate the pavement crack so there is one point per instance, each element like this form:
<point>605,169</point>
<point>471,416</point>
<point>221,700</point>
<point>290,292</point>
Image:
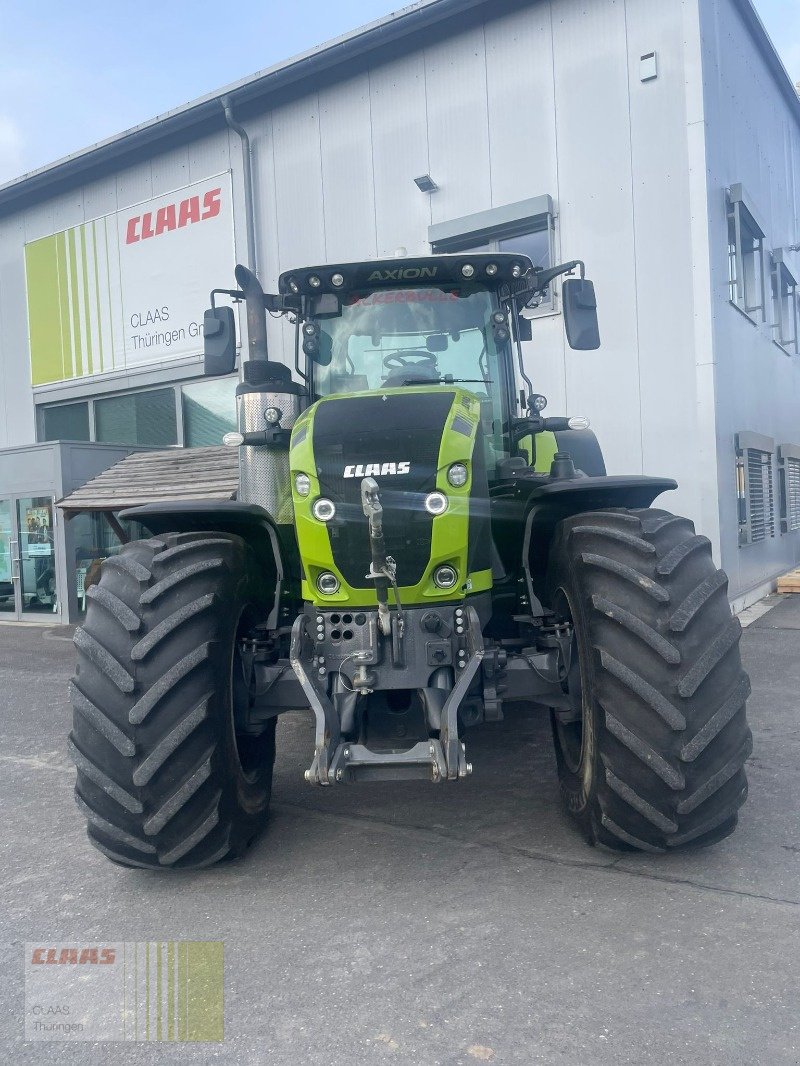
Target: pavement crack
<point>613,865</point>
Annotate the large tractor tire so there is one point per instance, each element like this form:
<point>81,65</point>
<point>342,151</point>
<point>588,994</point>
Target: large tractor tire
<point>651,754</point>
<point>166,775</point>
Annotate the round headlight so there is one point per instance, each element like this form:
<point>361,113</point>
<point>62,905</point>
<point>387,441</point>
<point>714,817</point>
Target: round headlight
<point>436,503</point>
<point>337,280</point>
<point>273,415</point>
<point>539,402</point>
<point>468,270</point>
<point>491,269</point>
<point>302,484</point>
<point>516,270</point>
<point>499,318</point>
<point>457,475</point>
<point>327,583</point>
<point>445,577</point>
<point>293,285</point>
<point>314,281</point>
<point>323,509</point>
<point>310,329</point>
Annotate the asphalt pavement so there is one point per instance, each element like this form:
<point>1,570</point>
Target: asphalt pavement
<point>423,924</point>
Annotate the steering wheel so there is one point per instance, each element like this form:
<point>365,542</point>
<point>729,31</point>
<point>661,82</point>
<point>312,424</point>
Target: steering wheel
<point>412,366</point>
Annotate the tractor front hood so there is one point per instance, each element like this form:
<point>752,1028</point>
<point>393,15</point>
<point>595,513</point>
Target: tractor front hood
<point>407,439</point>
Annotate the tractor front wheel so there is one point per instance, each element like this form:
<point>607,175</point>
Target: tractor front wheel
<point>651,752</point>
<point>167,775</point>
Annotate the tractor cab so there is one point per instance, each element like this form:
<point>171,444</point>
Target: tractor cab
<point>445,321</point>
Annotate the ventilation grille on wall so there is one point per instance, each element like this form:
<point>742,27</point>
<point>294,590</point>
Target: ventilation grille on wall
<point>789,469</point>
<point>755,476</point>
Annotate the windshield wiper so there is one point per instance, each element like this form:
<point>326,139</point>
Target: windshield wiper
<point>451,381</point>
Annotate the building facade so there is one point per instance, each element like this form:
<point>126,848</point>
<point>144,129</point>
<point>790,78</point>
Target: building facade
<point>657,140</point>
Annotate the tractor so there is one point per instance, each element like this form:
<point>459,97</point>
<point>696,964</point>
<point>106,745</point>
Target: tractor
<point>414,545</point>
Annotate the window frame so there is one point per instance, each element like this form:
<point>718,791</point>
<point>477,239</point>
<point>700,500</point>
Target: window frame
<point>788,462</point>
<point>741,219</point>
<point>488,228</point>
<point>177,389</point>
<point>780,274</point>
<point>748,443</point>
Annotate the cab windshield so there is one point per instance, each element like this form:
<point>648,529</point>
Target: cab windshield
<point>394,338</point>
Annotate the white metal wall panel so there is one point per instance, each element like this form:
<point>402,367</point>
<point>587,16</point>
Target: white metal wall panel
<point>99,198</point>
<point>347,175</point>
<point>16,401</point>
<point>663,252</point>
<point>298,183</point>
<point>596,217</point>
<point>752,138</point>
<point>458,125</point>
<point>521,105</point>
<point>400,154</point>
<point>135,184</point>
<point>170,171</point>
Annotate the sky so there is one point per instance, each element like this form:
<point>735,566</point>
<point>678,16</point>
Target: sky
<point>75,73</point>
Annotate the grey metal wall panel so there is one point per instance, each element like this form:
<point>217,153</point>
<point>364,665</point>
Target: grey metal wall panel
<point>752,138</point>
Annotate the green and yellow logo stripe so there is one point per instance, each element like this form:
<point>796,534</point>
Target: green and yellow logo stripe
<point>75,319</point>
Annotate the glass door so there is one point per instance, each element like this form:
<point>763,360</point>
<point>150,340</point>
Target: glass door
<point>38,592</point>
<point>8,562</point>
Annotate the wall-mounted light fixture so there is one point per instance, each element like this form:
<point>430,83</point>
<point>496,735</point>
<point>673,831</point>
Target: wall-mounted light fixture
<point>425,183</point>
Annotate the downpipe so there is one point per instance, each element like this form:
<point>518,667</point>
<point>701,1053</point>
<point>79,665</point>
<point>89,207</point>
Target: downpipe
<point>247,174</point>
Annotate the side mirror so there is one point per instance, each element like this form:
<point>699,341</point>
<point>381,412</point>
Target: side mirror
<point>219,341</point>
<point>580,314</point>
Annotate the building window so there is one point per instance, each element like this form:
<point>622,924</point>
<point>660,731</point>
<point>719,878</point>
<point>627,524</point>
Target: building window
<point>745,256</point>
<point>789,476</point>
<point>754,483</point>
<point>527,227</point>
<point>65,421</point>
<point>784,303</point>
<point>147,418</point>
<point>209,411</point>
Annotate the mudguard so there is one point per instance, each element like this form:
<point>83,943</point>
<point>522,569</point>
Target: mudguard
<point>275,547</point>
<point>552,502</point>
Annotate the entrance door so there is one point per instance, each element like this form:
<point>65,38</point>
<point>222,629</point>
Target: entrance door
<point>8,563</point>
<point>28,585</point>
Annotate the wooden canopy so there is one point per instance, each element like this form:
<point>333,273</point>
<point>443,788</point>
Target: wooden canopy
<point>147,477</point>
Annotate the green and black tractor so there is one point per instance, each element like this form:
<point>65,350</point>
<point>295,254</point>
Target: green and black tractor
<point>414,545</point>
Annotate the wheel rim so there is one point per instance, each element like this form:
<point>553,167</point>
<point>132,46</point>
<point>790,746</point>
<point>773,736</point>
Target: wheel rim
<point>571,734</point>
<point>250,749</point>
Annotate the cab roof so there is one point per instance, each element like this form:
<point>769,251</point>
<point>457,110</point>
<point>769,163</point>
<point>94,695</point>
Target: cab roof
<point>484,267</point>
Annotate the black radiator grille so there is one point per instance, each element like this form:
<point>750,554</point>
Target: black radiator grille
<point>373,431</point>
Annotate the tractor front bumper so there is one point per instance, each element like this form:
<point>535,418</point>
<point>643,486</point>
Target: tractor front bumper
<point>386,704</point>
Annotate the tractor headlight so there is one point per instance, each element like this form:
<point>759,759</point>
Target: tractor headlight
<point>445,576</point>
<point>273,415</point>
<point>327,583</point>
<point>323,509</point>
<point>314,281</point>
<point>468,270</point>
<point>457,475</point>
<point>436,503</point>
<point>302,484</point>
<point>337,280</point>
